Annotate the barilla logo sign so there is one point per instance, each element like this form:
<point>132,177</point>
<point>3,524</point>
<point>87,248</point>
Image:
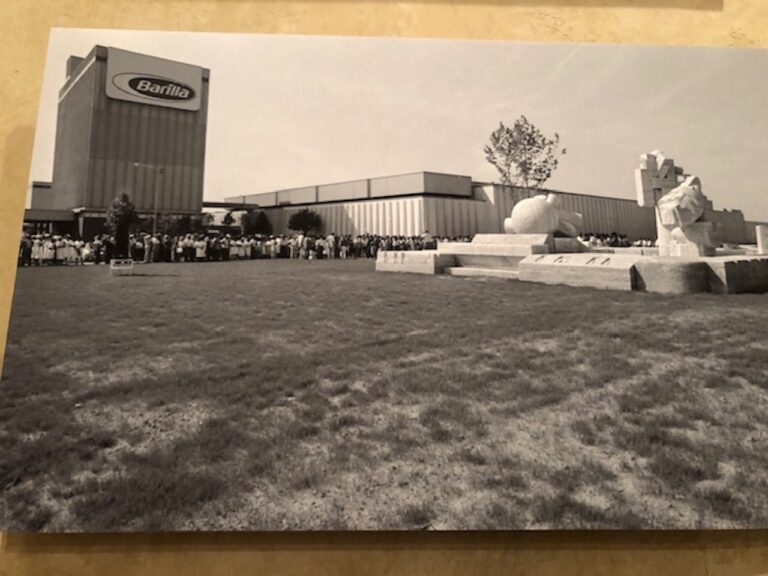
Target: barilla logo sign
<point>154,81</point>
<point>153,87</point>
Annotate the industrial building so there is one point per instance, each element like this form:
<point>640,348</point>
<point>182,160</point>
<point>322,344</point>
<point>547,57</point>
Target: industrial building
<point>136,124</point>
<point>449,205</point>
<point>127,123</point>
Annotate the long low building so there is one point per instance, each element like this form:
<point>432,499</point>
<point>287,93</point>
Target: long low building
<point>450,205</point>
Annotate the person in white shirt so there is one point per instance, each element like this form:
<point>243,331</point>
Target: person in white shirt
<point>427,241</point>
<point>66,253</point>
<point>77,248</point>
<point>200,245</point>
<point>156,250</point>
<point>49,250</point>
<point>87,252</point>
<point>320,251</point>
<point>330,246</point>
<point>59,254</point>
<point>147,249</point>
<point>37,250</point>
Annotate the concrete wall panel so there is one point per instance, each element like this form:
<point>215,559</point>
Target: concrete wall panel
<point>397,185</point>
<point>306,195</point>
<point>447,184</point>
<point>355,190</point>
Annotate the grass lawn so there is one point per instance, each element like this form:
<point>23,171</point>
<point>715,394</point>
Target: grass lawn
<point>322,395</point>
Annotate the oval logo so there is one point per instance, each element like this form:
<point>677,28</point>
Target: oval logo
<point>154,87</point>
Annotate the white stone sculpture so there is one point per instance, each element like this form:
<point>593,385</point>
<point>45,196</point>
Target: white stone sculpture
<point>680,206</point>
<point>541,215</point>
<point>683,205</point>
<point>761,232</point>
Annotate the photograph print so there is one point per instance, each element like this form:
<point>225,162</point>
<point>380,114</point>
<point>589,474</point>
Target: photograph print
<point>346,283</point>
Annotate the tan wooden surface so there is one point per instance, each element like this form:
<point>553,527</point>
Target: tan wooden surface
<point>23,39</point>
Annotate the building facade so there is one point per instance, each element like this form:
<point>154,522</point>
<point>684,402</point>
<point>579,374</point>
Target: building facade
<point>135,124</point>
<point>127,123</point>
<point>448,205</point>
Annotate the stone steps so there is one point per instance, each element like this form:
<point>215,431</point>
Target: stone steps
<point>468,271</point>
<point>499,262</point>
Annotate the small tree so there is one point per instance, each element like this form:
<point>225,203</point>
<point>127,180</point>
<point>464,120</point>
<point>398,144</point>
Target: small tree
<point>306,221</point>
<point>522,154</point>
<point>120,215</point>
<point>228,219</point>
<point>255,223</point>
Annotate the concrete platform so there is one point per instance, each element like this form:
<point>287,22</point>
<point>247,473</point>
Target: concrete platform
<point>490,261</point>
<point>738,274</point>
<point>608,271</point>
<point>497,251</point>
<point>672,275</point>
<point>517,244</point>
<point>509,240</point>
<point>480,272</point>
<point>519,257</point>
<point>568,246</point>
<point>413,261</point>
<point>640,250</point>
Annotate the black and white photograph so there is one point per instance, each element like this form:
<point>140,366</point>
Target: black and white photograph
<point>274,282</point>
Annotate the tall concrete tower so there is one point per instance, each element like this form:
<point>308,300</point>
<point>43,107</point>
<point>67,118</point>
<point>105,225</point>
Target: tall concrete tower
<point>129,123</point>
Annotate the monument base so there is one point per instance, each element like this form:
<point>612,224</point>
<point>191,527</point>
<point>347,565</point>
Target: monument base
<point>497,251</point>
<point>719,275</point>
<point>527,257</point>
<point>611,271</point>
<point>737,274</point>
<point>415,262</point>
<point>672,275</point>
<point>468,272</point>
<point>693,241</point>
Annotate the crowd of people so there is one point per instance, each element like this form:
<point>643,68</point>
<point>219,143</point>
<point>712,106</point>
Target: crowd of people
<point>612,240</point>
<point>46,249</point>
<point>218,247</point>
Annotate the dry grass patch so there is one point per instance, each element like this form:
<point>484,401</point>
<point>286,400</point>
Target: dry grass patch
<point>280,395</point>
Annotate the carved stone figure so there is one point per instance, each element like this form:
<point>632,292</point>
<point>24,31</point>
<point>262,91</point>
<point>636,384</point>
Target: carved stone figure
<point>683,205</point>
<point>541,215</point>
<point>680,206</point>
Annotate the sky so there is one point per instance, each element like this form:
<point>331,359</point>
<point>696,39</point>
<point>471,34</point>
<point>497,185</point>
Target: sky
<point>289,111</point>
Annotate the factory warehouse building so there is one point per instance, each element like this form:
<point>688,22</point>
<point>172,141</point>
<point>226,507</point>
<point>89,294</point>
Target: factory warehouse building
<point>135,124</point>
<point>127,123</point>
<point>448,205</point>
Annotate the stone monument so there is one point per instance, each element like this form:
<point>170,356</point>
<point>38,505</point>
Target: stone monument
<point>680,205</point>
<point>541,215</point>
<point>529,251</point>
<point>761,231</point>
